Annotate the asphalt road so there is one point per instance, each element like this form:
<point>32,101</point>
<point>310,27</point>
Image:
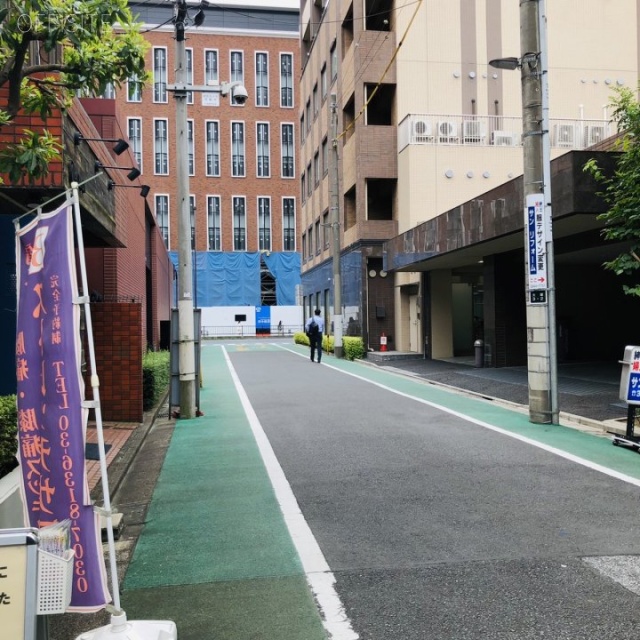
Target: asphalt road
<point>438,528</point>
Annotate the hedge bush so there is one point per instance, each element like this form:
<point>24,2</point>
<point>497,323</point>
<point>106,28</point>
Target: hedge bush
<point>8,434</point>
<point>352,347</point>
<point>155,377</point>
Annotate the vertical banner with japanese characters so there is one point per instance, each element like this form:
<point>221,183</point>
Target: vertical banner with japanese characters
<point>51,419</point>
<point>537,228</point>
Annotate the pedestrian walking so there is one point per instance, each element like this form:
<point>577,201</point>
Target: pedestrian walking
<point>314,328</point>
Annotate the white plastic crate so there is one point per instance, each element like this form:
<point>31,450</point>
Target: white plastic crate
<point>55,579</point>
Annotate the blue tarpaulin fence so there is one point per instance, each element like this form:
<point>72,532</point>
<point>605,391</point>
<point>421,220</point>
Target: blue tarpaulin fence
<point>232,279</point>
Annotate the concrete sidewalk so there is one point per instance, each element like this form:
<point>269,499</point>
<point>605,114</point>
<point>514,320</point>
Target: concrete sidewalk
<point>204,542</point>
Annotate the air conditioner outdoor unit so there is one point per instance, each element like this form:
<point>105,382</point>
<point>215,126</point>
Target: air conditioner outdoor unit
<point>565,135</point>
<point>422,130</point>
<point>594,133</point>
<point>447,131</point>
<point>473,130</point>
<point>503,139</point>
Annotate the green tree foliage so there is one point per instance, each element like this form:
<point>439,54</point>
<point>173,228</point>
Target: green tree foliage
<point>621,190</point>
<point>50,49</point>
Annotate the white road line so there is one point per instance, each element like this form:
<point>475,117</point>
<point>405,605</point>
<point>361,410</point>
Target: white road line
<point>485,425</point>
<point>319,575</point>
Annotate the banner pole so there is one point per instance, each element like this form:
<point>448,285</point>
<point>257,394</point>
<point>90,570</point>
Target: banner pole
<point>95,385</point>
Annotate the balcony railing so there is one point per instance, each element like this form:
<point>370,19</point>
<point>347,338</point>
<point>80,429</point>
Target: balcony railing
<point>496,131</point>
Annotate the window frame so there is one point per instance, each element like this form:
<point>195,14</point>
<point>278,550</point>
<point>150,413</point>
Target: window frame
<point>260,172</point>
<point>285,228</point>
<point>156,172</point>
<point>135,143</point>
<point>214,198</point>
<point>264,244</point>
<point>235,201</point>
<point>216,144</point>
<point>165,236</point>
<point>160,83</point>
<point>258,76</point>
<point>284,76</point>
<point>242,144</point>
<point>284,146</point>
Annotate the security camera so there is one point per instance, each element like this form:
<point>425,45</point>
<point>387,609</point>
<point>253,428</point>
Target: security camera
<point>239,95</point>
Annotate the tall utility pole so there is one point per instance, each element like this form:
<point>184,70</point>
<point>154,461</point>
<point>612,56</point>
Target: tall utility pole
<point>186,329</point>
<point>335,226</point>
<point>538,238</point>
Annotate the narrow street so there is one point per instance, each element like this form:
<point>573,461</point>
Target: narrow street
<point>436,527</point>
<point>401,509</point>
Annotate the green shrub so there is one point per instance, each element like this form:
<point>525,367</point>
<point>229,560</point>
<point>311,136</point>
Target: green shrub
<point>155,377</point>
<point>300,337</point>
<point>8,434</point>
<point>353,348</point>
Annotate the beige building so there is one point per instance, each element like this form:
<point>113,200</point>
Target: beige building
<point>426,127</point>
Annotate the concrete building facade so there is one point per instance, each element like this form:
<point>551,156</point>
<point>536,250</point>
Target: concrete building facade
<point>426,128</point>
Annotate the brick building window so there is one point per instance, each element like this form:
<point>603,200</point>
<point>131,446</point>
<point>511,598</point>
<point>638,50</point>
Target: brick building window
<point>262,80</point>
<point>286,80</point>
<point>213,147</point>
<point>264,224</point>
<point>162,217</point>
<point>287,151</point>
<point>134,131</point>
<point>161,147</point>
<point>159,74</point>
<point>239,224</point>
<point>237,149</point>
<point>134,89</point>
<point>237,66</point>
<point>211,66</point>
<point>213,223</point>
<point>316,168</point>
<point>262,149</point>
<point>288,224</point>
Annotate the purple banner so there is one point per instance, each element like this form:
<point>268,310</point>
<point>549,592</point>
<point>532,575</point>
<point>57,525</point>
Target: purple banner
<point>51,419</point>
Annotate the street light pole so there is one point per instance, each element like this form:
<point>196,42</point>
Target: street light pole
<point>186,341</point>
<point>335,226</point>
<point>539,256</point>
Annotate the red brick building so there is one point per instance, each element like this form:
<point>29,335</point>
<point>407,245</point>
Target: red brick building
<point>242,160</point>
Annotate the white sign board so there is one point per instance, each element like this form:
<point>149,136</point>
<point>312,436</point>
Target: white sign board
<point>18,579</point>
<point>210,99</point>
<point>536,241</point>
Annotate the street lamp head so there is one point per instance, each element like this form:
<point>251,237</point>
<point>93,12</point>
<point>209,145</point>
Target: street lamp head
<point>510,64</point>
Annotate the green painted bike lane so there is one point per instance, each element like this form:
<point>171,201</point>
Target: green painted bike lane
<point>215,555</point>
<point>593,448</point>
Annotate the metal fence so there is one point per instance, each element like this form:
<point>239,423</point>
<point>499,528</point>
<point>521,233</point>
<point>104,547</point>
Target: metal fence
<point>249,331</point>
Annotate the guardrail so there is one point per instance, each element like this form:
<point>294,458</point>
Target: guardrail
<point>250,331</point>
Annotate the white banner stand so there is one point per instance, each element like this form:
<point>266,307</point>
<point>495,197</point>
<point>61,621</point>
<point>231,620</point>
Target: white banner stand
<point>119,628</point>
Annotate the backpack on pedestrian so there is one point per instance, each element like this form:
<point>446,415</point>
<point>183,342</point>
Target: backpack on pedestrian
<point>313,329</point>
